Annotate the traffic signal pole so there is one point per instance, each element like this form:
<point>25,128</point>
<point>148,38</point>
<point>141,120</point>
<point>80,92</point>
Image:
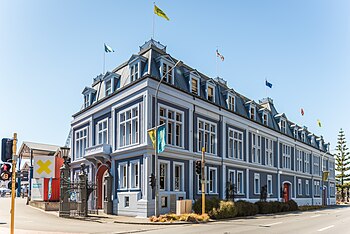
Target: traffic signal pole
<point>203,180</point>
<point>14,160</point>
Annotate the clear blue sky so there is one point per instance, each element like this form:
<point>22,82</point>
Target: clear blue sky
<point>51,50</point>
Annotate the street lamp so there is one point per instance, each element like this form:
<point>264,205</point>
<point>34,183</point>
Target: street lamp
<point>64,210</point>
<point>156,141</point>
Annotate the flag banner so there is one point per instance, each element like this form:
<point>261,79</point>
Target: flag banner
<point>160,13</point>
<point>108,49</point>
<point>161,138</point>
<point>325,175</point>
<point>268,84</point>
<point>152,136</point>
<point>319,123</point>
<point>220,55</point>
<point>302,111</point>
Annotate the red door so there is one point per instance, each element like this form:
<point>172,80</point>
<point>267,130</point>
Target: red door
<point>286,192</point>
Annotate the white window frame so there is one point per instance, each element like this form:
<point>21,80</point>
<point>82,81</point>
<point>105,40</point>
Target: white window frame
<point>269,188</point>
<point>332,189</point>
<point>286,156</point>
<point>182,176</point>
<point>283,125</point>
<point>125,122</point>
<point>167,175</point>
<point>252,112</point>
<point>295,133</point>
<point>134,177</point>
<point>133,72</point>
<point>300,187</point>
<point>123,178</point>
<point>307,162</point>
<point>192,77</point>
<point>235,145</point>
<point>87,100</point>
<point>256,186</point>
<point>317,188</point>
<point>303,136</point>
<point>210,147</point>
<point>268,152</point>
<point>98,131</point>
<point>168,67</point>
<point>78,142</point>
<point>229,177</point>
<point>215,181</point>
<point>299,160</point>
<point>307,188</point>
<point>240,190</point>
<point>110,90</point>
<point>213,88</point>
<point>265,118</point>
<point>316,165</point>
<point>172,140</point>
<point>231,102</point>
<point>256,148</point>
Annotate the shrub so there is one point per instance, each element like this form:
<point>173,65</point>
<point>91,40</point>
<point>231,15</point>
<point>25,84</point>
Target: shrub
<point>308,207</point>
<point>293,206</point>
<point>194,218</point>
<point>227,209</point>
<point>210,204</point>
<point>245,208</point>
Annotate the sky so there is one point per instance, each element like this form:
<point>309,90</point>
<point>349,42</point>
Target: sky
<point>51,50</point>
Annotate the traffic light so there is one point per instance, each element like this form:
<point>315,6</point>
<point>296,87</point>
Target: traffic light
<point>198,167</point>
<point>9,185</point>
<point>6,149</point>
<point>152,180</point>
<point>5,173</point>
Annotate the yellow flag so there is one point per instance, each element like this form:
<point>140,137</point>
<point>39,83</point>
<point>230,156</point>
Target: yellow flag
<point>152,135</point>
<point>160,13</point>
<point>319,123</point>
<point>325,175</point>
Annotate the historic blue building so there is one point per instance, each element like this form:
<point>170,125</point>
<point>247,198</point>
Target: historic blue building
<point>248,143</point>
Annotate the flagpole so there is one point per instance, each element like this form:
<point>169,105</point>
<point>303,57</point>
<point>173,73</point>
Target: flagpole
<point>104,61</point>
<point>154,3</point>
<point>217,65</point>
<point>265,88</point>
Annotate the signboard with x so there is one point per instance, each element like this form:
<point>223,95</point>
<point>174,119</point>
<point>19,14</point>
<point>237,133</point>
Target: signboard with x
<point>44,167</point>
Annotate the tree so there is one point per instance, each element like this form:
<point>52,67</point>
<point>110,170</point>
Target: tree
<point>342,157</point>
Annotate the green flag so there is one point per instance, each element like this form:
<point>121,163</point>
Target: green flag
<point>108,49</point>
<point>160,13</point>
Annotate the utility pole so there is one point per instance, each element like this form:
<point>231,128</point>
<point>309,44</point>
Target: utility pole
<point>14,160</point>
<point>203,180</point>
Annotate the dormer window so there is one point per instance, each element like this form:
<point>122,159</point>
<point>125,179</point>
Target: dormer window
<point>296,132</point>
<point>265,118</point>
<point>252,112</point>
<point>303,136</point>
<point>108,85</point>
<point>134,71</point>
<point>211,93</point>
<point>87,100</point>
<point>231,102</point>
<point>312,139</point>
<point>283,126</point>
<point>195,85</point>
<point>167,73</point>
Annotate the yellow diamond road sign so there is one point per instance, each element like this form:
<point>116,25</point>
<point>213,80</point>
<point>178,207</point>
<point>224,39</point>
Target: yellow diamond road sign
<point>44,167</point>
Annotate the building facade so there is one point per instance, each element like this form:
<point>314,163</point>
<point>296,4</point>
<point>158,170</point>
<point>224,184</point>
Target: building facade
<point>248,144</point>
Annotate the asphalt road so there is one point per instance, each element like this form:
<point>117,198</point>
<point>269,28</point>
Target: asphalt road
<point>30,220</point>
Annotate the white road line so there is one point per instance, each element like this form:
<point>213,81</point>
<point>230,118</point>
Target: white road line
<point>269,225</point>
<point>325,228</point>
<point>314,216</point>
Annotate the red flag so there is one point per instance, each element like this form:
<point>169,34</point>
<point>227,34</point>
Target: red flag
<point>302,111</point>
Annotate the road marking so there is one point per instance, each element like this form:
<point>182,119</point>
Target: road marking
<point>325,228</point>
<point>269,225</point>
<point>314,216</point>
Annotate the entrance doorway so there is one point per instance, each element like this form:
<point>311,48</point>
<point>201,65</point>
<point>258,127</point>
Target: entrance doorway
<point>104,189</point>
<point>286,192</point>
<point>100,175</point>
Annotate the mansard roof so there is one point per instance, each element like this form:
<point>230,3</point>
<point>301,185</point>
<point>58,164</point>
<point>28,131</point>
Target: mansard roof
<point>152,52</point>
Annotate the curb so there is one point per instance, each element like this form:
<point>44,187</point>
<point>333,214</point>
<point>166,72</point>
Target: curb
<point>155,223</point>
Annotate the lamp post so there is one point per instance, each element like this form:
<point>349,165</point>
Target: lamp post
<point>156,141</point>
<point>64,180</point>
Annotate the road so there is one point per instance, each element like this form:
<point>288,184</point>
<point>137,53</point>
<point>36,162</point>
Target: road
<point>30,220</point>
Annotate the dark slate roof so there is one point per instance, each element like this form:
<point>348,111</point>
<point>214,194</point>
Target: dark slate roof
<point>155,51</point>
